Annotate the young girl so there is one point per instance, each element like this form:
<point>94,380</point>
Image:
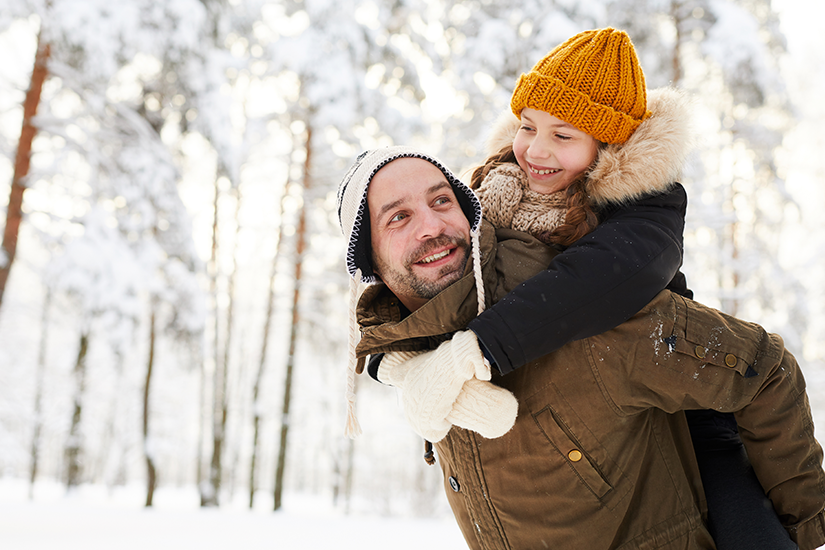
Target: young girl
<point>589,164</point>
<point>621,214</point>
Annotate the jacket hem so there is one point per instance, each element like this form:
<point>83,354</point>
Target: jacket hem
<point>810,534</point>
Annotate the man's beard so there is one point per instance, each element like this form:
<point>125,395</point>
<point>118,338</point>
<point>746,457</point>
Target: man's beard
<point>406,281</point>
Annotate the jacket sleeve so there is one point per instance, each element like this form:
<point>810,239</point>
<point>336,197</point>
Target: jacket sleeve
<point>594,285</point>
<point>680,355</point>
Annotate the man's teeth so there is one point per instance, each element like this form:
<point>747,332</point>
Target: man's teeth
<point>434,257</point>
<point>544,172</point>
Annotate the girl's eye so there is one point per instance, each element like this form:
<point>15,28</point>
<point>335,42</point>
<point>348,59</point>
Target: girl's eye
<point>526,128</point>
<point>563,137</point>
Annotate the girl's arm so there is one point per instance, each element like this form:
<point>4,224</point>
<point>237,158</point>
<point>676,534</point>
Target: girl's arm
<point>595,285</point>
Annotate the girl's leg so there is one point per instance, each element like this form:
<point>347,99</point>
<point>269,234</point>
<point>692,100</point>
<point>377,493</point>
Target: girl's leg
<point>740,516</point>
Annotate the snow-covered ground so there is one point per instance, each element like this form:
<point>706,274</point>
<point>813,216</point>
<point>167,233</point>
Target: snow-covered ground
<point>95,519</point>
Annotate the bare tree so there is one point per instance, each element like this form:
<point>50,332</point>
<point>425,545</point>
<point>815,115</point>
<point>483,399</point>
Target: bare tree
<point>38,392</point>
<point>22,161</point>
<point>227,350</point>
<point>344,470</point>
<point>151,472</point>
<point>256,388</point>
<point>74,447</point>
<point>300,244</point>
<point>220,396</point>
<point>210,498</point>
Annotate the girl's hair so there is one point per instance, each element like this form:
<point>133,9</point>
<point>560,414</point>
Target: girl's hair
<point>581,219</point>
<point>503,156</point>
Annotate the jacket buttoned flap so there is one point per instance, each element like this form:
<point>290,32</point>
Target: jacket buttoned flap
<point>571,452</point>
<point>576,446</point>
<point>714,338</point>
<point>709,354</point>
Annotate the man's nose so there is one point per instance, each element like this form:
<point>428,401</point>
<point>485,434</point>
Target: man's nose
<point>430,224</point>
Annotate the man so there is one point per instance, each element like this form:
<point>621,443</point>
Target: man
<point>599,454</point>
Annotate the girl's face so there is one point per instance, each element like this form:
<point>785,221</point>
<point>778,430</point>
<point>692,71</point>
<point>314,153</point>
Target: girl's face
<point>552,152</point>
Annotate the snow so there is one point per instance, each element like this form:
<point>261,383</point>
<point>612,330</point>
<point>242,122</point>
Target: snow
<point>97,223</point>
<point>95,519</point>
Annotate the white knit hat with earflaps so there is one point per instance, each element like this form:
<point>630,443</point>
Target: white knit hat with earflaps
<point>354,219</point>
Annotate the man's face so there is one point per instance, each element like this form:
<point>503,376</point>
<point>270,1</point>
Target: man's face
<point>419,233</point>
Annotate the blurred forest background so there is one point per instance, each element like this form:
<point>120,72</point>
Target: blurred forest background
<point>173,305</point>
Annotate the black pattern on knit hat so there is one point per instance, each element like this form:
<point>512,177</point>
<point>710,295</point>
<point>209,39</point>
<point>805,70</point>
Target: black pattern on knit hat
<point>352,202</point>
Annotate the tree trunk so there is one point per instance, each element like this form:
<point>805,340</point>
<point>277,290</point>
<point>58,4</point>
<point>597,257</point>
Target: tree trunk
<point>38,392</point>
<point>211,487</point>
<point>151,473</point>
<point>203,419</point>
<point>730,284</point>
<point>676,58</point>
<point>111,449</point>
<point>256,425</point>
<point>220,396</point>
<point>293,332</point>
<point>219,421</point>
<point>14,214</point>
<point>344,471</point>
<point>73,446</point>
<point>256,389</point>
<point>227,349</point>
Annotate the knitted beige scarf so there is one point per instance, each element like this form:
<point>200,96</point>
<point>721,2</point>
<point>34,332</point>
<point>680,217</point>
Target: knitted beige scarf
<point>509,202</point>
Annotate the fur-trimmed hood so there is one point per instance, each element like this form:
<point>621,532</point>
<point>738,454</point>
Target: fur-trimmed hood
<point>649,161</point>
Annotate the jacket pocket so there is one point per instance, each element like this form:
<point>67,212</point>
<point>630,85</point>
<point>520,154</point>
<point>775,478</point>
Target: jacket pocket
<point>572,452</point>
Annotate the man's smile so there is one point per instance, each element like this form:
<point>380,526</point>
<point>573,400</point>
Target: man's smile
<point>435,257</point>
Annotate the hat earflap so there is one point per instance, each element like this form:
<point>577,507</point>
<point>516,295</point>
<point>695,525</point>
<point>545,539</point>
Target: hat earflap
<point>353,428</point>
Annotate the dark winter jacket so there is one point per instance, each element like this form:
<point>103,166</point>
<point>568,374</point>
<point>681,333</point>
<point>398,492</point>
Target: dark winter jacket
<point>600,455</point>
<point>611,273</point>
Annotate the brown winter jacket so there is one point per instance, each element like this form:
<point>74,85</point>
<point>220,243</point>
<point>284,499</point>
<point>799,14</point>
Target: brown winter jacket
<point>600,456</point>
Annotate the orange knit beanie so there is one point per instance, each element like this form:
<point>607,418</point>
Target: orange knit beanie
<point>592,81</point>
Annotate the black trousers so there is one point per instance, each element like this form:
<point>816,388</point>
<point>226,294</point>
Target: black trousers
<point>740,516</point>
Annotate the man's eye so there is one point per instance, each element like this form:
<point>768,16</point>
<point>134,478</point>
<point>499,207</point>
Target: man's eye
<point>398,217</point>
<point>442,200</point>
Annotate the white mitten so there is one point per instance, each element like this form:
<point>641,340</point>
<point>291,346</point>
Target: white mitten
<point>484,408</point>
<point>395,365</point>
<point>430,382</point>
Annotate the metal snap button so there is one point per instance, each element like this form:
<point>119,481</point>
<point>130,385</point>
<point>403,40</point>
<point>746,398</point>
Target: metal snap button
<point>575,455</point>
<point>731,360</point>
<point>700,352</point>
